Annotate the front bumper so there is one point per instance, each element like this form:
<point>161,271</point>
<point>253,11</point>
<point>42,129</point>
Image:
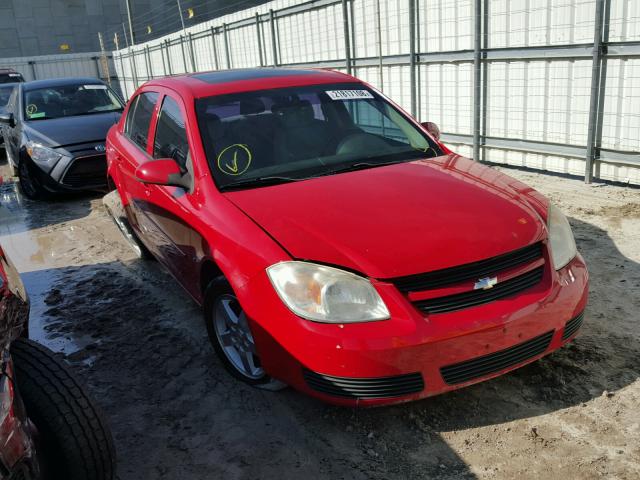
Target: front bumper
<point>85,171</point>
<point>448,351</point>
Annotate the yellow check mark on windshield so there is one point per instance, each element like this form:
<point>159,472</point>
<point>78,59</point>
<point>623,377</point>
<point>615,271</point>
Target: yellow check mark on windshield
<point>233,168</point>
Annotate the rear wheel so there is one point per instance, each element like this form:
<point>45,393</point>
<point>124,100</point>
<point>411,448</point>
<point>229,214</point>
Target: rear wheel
<point>75,443</point>
<point>29,184</point>
<point>231,337</point>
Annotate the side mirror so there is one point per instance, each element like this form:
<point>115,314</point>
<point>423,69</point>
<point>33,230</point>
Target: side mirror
<point>164,171</point>
<point>6,118</point>
<point>432,128</point>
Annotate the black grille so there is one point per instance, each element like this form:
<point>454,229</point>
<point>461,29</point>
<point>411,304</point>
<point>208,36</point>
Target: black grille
<point>470,271</point>
<point>494,362</point>
<point>472,298</point>
<point>572,326</point>
<point>87,172</point>
<point>380,387</point>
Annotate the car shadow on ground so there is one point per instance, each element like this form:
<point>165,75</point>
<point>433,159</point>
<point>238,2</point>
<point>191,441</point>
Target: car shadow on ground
<point>176,413</point>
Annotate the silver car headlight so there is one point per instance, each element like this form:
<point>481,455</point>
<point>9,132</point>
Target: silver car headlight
<point>326,294</point>
<point>43,156</point>
<point>561,241</point>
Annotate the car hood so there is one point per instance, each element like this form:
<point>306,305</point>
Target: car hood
<point>61,132</point>
<point>399,219</point>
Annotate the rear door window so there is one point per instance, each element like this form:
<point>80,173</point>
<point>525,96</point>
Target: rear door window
<point>139,118</point>
<point>171,134</point>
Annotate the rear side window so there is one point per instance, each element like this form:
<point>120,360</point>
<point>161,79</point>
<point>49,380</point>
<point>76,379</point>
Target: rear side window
<point>171,134</point>
<point>139,118</point>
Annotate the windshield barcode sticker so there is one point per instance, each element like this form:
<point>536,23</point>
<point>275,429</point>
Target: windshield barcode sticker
<point>349,94</point>
<point>94,87</point>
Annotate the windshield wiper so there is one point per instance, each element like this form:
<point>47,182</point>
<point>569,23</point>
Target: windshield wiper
<point>364,165</point>
<point>258,182</point>
<point>93,112</point>
<point>359,166</point>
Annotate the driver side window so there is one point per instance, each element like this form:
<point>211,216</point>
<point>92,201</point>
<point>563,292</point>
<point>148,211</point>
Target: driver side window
<point>171,134</point>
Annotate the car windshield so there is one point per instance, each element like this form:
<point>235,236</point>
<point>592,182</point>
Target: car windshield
<point>69,100</point>
<point>5,93</point>
<point>273,136</point>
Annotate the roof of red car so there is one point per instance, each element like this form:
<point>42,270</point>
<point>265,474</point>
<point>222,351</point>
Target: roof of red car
<point>205,84</point>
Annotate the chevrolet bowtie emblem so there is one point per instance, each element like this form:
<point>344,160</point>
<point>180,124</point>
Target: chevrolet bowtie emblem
<point>485,283</point>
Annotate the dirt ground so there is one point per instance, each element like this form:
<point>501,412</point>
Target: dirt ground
<point>140,345</point>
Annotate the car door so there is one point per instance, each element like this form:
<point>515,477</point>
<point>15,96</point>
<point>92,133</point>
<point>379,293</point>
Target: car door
<point>131,150</point>
<point>170,209</point>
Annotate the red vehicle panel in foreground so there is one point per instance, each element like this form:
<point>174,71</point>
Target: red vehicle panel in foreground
<point>335,244</point>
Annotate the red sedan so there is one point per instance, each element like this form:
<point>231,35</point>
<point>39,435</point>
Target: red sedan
<point>334,243</point>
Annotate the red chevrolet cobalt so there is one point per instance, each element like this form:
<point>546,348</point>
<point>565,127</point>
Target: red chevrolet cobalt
<point>334,243</point>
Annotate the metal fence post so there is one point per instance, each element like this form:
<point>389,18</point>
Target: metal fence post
<point>485,79</point>
<point>259,37</point>
<point>352,15</point>
<point>412,56</point>
<point>32,63</point>
<point>274,45</point>
<point>184,56</point>
<point>134,68</point>
<point>164,63</point>
<point>347,43</point>
<point>226,45</point>
<point>477,78</point>
<point>603,82</point>
<point>379,42</point>
<point>147,59</point>
<point>596,68</point>
<point>123,85</point>
<point>168,46</point>
<point>192,54</point>
<point>215,48</point>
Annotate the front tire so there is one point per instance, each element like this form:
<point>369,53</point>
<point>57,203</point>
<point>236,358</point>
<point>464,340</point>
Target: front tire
<point>29,183</point>
<point>75,443</point>
<point>231,337</point>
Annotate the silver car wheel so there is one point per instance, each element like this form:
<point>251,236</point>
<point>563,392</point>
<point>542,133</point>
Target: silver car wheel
<point>235,338</point>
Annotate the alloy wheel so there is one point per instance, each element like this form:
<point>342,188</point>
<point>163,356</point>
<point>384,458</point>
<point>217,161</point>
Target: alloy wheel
<point>235,338</point>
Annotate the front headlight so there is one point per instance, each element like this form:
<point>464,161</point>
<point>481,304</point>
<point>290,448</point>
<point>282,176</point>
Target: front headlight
<point>561,241</point>
<point>326,294</point>
<point>43,156</point>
